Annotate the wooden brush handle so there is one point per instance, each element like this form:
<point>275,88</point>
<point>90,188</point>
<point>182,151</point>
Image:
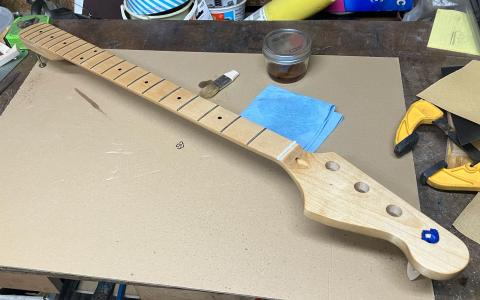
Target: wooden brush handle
<point>345,198</point>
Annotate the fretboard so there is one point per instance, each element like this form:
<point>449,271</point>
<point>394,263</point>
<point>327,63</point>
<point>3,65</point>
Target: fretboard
<point>160,91</point>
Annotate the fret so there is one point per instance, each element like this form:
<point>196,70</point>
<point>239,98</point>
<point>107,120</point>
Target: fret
<point>78,51</point>
<point>131,76</point>
<point>218,119</point>
<point>52,37</point>
<point>208,112</point>
<point>47,34</point>
<point>230,124</point>
<point>144,83</point>
<point>196,109</point>
<point>118,70</point>
<point>242,131</point>
<point>81,58</point>
<point>70,47</point>
<point>255,136</point>
<point>63,44</point>
<point>39,30</point>
<point>29,30</point>
<point>271,144</point>
<point>92,62</point>
<point>57,40</point>
<point>160,91</point>
<point>177,99</point>
<point>107,64</point>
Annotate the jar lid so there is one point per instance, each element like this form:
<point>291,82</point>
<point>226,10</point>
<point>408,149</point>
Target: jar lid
<point>287,46</point>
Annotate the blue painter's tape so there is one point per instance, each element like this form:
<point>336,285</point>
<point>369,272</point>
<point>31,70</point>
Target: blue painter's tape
<point>431,236</point>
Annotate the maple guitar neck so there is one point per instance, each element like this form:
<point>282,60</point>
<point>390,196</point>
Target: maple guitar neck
<point>335,192</point>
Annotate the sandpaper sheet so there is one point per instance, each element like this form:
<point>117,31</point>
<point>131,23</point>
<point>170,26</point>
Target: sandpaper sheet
<point>112,193</point>
<point>458,92</point>
<point>468,222</point>
<point>467,131</point>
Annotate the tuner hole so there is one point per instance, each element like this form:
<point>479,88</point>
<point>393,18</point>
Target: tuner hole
<point>394,211</point>
<point>332,166</point>
<point>361,187</point>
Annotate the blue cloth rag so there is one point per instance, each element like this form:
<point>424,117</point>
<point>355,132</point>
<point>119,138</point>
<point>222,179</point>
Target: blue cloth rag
<point>306,120</point>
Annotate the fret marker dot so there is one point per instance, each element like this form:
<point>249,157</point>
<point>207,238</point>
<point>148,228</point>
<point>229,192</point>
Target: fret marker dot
<point>179,98</point>
<point>219,117</point>
<point>81,57</point>
<point>146,81</point>
<point>64,43</point>
<point>119,69</point>
<point>94,51</point>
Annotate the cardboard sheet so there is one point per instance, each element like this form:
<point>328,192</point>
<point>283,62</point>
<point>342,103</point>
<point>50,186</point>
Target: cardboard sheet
<point>468,222</point>
<point>109,195</point>
<point>458,92</point>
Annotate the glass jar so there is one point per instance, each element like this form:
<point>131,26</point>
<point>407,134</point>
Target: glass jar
<point>287,54</point>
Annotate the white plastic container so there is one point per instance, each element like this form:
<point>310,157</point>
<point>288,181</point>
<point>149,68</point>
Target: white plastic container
<point>199,11</point>
<point>232,13</point>
<point>180,14</point>
<point>6,18</point>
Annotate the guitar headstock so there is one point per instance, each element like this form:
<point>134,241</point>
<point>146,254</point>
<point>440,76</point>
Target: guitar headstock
<point>40,37</point>
<point>338,194</point>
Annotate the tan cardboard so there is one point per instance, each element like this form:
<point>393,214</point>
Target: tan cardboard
<point>109,195</point>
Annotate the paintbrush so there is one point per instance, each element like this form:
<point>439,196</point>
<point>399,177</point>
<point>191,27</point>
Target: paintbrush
<point>210,88</point>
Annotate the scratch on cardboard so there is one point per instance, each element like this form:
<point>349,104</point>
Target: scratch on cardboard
<point>147,173</point>
<point>90,101</point>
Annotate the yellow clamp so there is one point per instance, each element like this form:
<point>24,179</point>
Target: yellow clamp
<point>420,112</point>
<point>464,178</point>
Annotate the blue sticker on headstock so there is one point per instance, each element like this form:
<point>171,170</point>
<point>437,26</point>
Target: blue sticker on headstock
<point>431,236</point>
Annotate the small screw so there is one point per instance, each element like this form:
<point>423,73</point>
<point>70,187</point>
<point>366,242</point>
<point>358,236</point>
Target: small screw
<point>41,62</point>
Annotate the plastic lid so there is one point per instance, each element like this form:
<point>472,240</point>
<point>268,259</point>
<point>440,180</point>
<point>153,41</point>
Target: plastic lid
<point>6,18</point>
<point>288,46</point>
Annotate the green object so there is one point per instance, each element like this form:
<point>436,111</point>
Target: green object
<point>13,35</point>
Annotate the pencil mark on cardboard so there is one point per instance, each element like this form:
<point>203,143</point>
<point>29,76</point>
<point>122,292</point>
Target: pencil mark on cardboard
<point>90,101</point>
<point>180,145</point>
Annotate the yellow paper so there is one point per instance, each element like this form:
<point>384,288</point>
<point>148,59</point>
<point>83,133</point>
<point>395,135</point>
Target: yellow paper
<point>453,31</point>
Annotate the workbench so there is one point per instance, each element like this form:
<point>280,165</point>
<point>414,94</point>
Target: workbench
<point>420,67</point>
